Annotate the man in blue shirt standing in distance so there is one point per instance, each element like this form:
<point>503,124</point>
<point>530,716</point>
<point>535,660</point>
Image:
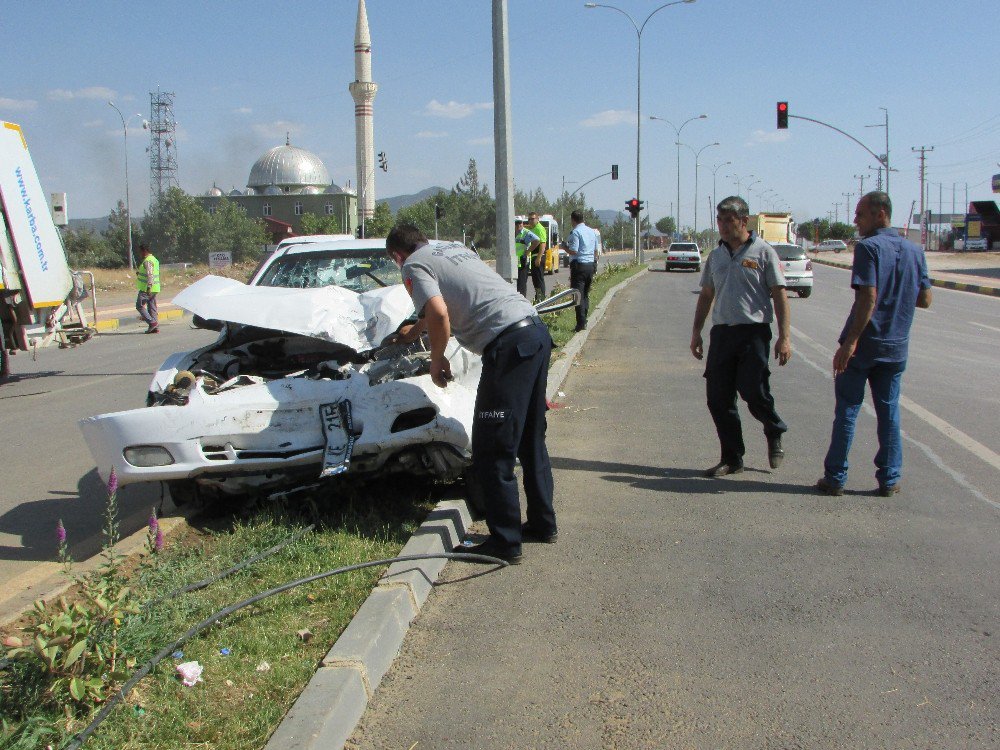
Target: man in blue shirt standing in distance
<point>889,277</point>
<point>582,248</point>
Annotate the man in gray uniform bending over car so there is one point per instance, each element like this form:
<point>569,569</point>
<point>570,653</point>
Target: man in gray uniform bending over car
<point>455,293</point>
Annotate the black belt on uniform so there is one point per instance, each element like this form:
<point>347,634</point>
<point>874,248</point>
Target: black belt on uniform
<point>531,320</point>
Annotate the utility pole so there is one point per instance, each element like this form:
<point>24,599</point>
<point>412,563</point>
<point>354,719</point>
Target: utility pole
<point>861,184</point>
<point>878,182</point>
<point>847,206</point>
<point>836,215</point>
<point>923,217</point>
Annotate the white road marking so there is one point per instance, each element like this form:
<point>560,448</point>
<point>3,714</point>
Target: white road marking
<point>948,430</point>
<point>983,325</point>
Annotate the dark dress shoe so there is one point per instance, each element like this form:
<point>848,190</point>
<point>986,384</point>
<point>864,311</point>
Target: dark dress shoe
<point>775,455</point>
<point>491,548</point>
<point>826,487</point>
<point>722,469</point>
<point>530,534</point>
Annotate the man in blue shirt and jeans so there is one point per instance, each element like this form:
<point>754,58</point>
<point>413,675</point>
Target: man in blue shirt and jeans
<point>581,246</point>
<point>889,277</point>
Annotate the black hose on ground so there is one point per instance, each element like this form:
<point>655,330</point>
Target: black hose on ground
<point>193,631</point>
<point>197,586</point>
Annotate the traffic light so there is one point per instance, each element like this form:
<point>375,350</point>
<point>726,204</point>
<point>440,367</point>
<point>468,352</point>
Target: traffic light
<point>438,211</point>
<point>614,171</point>
<point>634,207</point>
<point>782,115</point>
<point>383,164</point>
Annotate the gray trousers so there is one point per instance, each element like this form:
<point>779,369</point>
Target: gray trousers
<point>145,303</point>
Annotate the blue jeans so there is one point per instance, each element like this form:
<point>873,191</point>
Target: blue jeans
<point>885,379</point>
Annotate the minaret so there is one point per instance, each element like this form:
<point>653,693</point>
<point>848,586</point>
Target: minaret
<point>363,91</point>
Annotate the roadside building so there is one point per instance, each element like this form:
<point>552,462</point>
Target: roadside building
<point>285,184</point>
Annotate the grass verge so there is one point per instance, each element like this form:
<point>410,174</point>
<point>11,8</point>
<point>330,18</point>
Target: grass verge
<point>247,690</point>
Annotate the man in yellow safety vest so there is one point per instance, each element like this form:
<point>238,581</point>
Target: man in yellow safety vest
<point>147,281</point>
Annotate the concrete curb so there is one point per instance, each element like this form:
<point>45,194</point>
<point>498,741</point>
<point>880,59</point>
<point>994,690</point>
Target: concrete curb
<point>113,324</point>
<point>327,712</point>
<point>959,286</point>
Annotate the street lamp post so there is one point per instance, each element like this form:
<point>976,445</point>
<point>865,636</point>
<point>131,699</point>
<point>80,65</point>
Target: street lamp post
<point>697,154</point>
<point>128,206</point>
<point>638,99</point>
<point>677,131</point>
<point>748,186</point>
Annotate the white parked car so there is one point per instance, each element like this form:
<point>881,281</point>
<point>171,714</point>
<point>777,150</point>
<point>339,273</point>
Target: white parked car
<point>798,269</point>
<point>836,245</point>
<point>300,385</point>
<point>683,255</point>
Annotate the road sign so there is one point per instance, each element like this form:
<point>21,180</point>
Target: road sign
<point>222,259</point>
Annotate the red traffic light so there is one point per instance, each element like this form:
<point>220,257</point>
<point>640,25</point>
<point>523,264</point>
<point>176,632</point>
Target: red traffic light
<point>782,115</point>
<point>633,206</point>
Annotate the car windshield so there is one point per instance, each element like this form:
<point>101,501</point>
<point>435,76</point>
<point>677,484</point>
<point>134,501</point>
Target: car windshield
<point>790,252</point>
<point>683,247</point>
<point>359,270</point>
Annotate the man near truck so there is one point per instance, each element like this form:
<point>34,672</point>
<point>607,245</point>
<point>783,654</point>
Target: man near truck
<point>537,260</point>
<point>526,242</point>
<point>147,281</point>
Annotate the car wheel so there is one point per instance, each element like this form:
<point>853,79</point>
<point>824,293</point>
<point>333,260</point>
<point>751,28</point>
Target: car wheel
<point>698,269</point>
<point>475,497</point>
<point>803,293</point>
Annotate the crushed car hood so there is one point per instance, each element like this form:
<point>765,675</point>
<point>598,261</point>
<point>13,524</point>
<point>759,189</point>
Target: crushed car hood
<point>331,313</point>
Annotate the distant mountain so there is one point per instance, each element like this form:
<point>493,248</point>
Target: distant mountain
<point>402,201</point>
<point>608,216</point>
<point>92,225</point>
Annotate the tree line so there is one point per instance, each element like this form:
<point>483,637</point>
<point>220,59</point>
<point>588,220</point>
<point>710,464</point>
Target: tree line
<point>179,229</point>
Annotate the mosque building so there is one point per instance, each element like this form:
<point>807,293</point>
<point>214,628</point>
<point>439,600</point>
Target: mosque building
<point>286,183</point>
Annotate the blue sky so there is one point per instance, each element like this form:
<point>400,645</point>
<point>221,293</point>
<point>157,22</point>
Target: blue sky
<point>246,72</point>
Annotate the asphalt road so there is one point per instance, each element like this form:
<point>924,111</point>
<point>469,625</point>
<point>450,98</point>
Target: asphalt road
<point>748,612</point>
<point>48,471</point>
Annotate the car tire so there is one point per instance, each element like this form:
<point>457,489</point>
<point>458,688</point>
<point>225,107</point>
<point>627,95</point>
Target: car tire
<point>803,293</point>
<point>183,492</point>
<point>475,497</point>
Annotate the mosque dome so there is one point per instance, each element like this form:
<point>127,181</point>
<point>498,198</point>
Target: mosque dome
<point>312,190</point>
<point>272,190</point>
<point>290,168</point>
<point>234,191</point>
<point>333,189</point>
<point>213,192</point>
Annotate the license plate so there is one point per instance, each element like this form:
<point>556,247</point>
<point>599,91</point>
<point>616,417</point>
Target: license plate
<point>338,428</point>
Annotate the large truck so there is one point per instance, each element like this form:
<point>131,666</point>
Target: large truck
<point>37,288</point>
<point>773,227</point>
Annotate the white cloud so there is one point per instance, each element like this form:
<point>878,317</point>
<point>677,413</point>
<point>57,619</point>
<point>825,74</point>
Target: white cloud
<point>487,141</point>
<point>17,105</point>
<point>276,129</point>
<point>768,136</point>
<point>608,118</point>
<point>243,110</point>
<point>431,134</point>
<point>90,92</point>
<point>94,124</point>
<point>454,110</point>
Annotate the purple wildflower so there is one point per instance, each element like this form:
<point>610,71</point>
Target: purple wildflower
<point>112,483</point>
<point>60,533</point>
<point>158,543</point>
<point>154,525</point>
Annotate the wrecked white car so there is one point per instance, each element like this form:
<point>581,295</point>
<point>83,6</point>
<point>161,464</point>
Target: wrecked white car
<point>300,386</point>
